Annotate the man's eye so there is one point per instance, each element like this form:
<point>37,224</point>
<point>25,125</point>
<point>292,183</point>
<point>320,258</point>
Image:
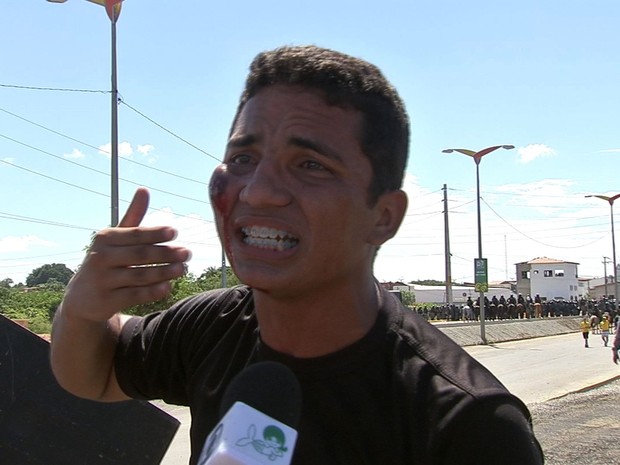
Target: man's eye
<point>313,165</point>
<point>240,159</point>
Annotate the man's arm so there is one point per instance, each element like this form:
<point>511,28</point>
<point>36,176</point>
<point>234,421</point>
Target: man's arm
<point>125,266</point>
<point>494,433</point>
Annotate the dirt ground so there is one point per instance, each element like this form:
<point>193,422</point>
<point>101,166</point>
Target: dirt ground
<point>580,428</point>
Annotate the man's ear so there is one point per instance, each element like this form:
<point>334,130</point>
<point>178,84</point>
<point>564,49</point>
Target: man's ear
<point>390,207</point>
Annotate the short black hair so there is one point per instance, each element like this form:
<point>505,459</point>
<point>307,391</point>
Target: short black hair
<point>345,81</point>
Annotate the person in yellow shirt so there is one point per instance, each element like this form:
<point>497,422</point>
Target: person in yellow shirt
<point>585,330</point>
<point>604,327</point>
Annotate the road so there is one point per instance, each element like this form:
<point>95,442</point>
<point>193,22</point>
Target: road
<point>536,370</point>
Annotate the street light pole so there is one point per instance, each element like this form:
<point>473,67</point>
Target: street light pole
<point>610,200</point>
<point>113,9</point>
<point>477,156</point>
<point>114,134</point>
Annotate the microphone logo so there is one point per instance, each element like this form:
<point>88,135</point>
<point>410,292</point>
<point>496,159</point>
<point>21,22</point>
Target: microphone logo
<point>273,444</point>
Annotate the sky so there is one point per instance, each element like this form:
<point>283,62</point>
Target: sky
<point>540,75</point>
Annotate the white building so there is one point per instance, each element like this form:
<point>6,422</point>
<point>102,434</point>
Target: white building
<point>437,294</point>
<point>549,278</point>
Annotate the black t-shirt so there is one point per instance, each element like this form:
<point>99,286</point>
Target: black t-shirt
<point>403,394</point>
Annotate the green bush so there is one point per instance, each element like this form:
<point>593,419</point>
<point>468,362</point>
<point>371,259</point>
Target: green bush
<point>38,305</point>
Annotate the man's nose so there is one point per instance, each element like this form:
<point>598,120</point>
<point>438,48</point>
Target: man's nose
<point>266,187</point>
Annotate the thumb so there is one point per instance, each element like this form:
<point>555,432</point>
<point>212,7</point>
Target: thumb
<point>136,210</point>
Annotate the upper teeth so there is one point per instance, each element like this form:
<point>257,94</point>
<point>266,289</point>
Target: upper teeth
<point>264,232</point>
<point>261,236</point>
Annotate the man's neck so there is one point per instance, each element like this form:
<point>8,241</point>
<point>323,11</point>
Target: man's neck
<point>319,323</point>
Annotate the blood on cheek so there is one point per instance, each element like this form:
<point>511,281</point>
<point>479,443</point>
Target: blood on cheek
<point>221,201</point>
<point>217,190</point>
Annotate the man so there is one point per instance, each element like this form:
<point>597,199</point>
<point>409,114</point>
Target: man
<point>308,191</point>
<point>585,330</point>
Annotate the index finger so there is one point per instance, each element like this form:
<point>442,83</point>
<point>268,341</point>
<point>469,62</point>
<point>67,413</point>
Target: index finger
<point>136,210</point>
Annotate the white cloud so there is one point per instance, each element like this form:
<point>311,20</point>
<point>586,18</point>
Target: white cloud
<point>76,154</point>
<point>124,150</point>
<point>533,151</point>
<point>145,149</point>
<point>21,243</point>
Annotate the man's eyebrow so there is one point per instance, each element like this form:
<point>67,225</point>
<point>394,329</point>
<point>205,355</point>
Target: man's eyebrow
<point>315,146</point>
<point>242,141</point>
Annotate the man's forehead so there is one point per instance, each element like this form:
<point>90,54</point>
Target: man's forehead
<point>295,104</point>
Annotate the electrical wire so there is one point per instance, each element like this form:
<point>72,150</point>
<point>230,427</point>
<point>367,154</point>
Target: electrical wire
<point>169,131</point>
<point>56,89</point>
<point>537,241</point>
<point>99,171</point>
<point>86,144</point>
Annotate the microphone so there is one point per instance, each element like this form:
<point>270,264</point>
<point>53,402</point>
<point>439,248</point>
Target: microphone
<point>260,410</point>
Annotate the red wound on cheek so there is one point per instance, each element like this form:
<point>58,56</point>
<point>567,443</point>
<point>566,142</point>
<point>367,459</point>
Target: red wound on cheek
<point>220,201</point>
<point>217,189</point>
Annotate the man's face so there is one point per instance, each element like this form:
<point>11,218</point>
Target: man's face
<point>290,199</point>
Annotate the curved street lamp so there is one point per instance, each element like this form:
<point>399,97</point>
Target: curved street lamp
<point>477,156</point>
<point>610,200</point>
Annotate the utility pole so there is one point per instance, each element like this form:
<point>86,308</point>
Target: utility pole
<point>606,260</point>
<point>447,246</point>
<point>224,284</point>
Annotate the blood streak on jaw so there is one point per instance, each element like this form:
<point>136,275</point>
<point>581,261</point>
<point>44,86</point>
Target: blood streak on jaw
<point>220,203</point>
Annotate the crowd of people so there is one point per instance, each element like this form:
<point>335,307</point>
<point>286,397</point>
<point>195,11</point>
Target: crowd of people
<point>523,308</point>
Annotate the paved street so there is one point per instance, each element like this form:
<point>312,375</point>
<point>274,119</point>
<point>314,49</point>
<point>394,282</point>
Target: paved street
<point>536,370</point>
<point>545,368</point>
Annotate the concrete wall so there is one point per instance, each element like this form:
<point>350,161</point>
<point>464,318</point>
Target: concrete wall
<point>468,334</point>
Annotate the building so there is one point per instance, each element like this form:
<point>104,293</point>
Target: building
<point>549,278</point>
<point>601,287</point>
<point>460,294</point>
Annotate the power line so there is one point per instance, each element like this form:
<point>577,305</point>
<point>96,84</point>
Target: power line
<point>54,179</point>
<point>12,216</point>
<point>169,131</point>
<point>55,89</point>
<point>537,241</point>
<point>86,144</point>
<point>101,172</point>
<point>101,193</point>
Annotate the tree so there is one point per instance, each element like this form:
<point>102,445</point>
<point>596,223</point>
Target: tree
<point>186,286</point>
<point>36,306</point>
<point>429,282</point>
<point>211,278</point>
<point>6,283</point>
<point>408,298</point>
<point>56,271</point>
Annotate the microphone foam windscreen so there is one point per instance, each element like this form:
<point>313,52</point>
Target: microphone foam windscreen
<point>270,388</point>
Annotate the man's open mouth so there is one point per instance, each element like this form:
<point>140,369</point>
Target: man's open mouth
<point>268,238</point>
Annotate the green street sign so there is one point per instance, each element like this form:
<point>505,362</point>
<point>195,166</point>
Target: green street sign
<point>481,277</point>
